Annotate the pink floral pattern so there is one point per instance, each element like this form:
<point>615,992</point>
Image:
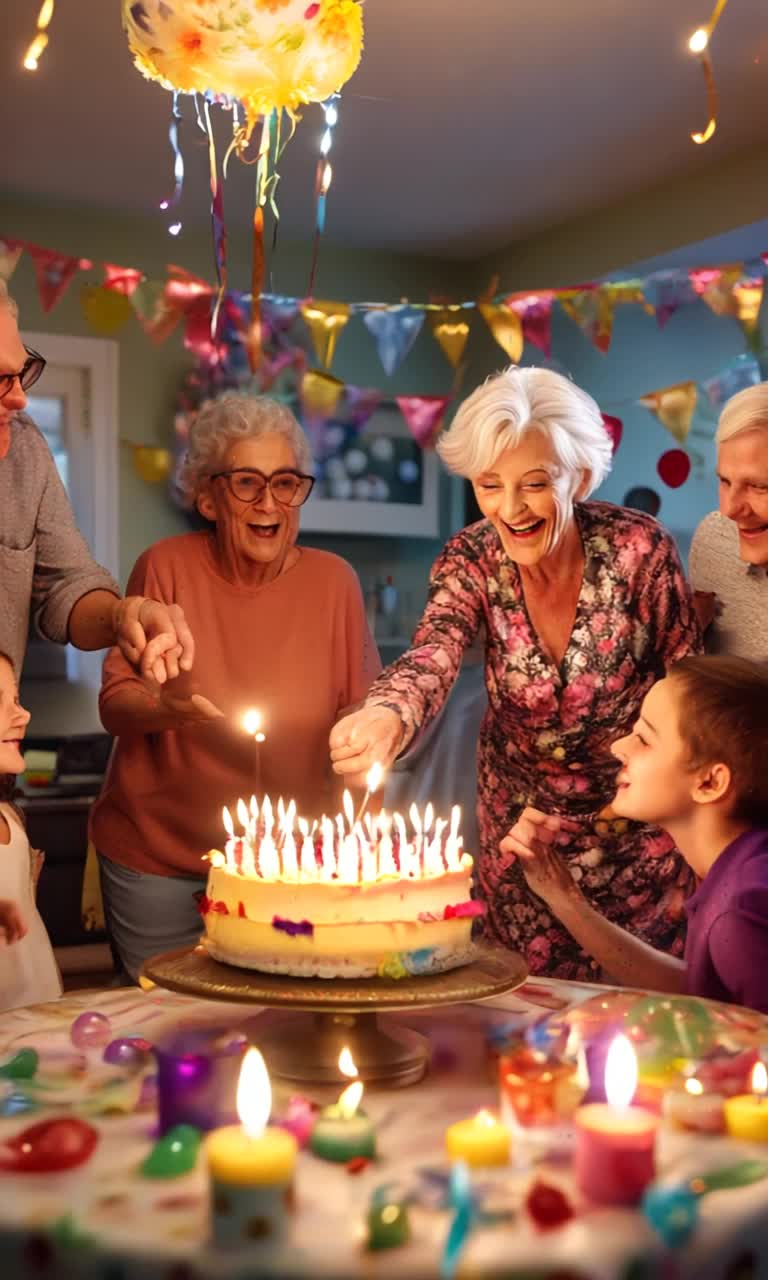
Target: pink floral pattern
<point>546,735</point>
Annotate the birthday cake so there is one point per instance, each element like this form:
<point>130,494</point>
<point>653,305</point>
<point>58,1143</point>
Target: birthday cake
<point>345,899</point>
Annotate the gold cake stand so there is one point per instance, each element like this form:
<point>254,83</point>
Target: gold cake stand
<point>304,1050</point>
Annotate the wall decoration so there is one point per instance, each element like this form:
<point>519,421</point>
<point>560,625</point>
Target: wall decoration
<point>674,467</point>
<point>642,499</point>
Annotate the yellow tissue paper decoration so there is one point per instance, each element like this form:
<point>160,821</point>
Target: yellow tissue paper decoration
<point>506,327</point>
<point>325,321</point>
<point>268,54</point>
<point>153,465</point>
<point>319,393</point>
<point>451,329</point>
<point>674,407</point>
<point>105,310</point>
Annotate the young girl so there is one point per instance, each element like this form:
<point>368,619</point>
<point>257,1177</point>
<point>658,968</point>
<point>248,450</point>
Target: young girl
<point>28,972</point>
<point>695,764</point>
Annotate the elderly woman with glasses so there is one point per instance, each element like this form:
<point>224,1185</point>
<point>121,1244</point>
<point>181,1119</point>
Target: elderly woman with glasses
<point>279,628</point>
<point>582,605</point>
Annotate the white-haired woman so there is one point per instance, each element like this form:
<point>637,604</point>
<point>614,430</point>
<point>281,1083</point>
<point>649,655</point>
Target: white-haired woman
<point>278,627</point>
<point>729,552</point>
<point>583,605</point>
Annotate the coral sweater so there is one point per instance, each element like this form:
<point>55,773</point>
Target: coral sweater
<point>297,648</point>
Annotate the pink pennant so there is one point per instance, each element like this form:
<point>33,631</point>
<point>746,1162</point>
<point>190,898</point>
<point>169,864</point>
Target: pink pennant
<point>423,415</point>
<point>122,279</point>
<point>54,271</point>
<point>535,311</point>
<point>614,427</point>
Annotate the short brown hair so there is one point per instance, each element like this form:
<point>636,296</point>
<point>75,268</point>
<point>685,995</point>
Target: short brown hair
<point>725,719</point>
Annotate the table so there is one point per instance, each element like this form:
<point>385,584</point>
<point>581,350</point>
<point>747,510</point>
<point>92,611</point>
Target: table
<point>158,1230</point>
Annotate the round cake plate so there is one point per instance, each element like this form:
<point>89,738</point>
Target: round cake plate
<point>305,1050</point>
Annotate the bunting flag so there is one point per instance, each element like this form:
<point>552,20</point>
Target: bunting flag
<point>157,316</point>
<point>451,329</point>
<point>278,316</point>
<point>121,279</point>
<point>105,311</point>
<point>53,272</point>
<point>394,330</point>
<point>319,393</point>
<point>535,311</point>
<point>666,292</point>
<point>506,327</point>
<point>359,404</point>
<point>592,311</point>
<point>10,252</point>
<point>424,416</point>
<point>674,407</point>
<point>742,372</point>
<point>748,299</point>
<point>714,285</point>
<point>325,321</point>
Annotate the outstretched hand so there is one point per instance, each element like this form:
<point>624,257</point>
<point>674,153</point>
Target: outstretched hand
<point>372,735</point>
<point>534,839</point>
<point>178,699</point>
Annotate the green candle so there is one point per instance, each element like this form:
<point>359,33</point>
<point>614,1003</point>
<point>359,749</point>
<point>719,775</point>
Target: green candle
<point>342,1132</point>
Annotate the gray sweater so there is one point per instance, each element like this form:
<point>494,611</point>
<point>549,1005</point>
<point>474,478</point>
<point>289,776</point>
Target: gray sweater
<point>740,626</point>
<point>45,564</point>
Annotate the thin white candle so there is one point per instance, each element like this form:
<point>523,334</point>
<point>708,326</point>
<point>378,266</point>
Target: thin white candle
<point>453,843</point>
<point>308,863</point>
<point>327,852</point>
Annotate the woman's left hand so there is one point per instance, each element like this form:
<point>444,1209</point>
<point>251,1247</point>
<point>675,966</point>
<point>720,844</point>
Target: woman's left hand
<point>533,840</point>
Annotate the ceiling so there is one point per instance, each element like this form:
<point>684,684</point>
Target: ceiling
<point>466,127</point>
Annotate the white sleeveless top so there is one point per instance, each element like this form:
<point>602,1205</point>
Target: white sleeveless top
<point>28,971</point>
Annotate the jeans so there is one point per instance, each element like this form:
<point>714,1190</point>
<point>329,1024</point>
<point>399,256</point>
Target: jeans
<point>147,914</point>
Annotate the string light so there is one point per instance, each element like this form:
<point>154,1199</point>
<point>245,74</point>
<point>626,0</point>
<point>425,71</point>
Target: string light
<point>40,39</point>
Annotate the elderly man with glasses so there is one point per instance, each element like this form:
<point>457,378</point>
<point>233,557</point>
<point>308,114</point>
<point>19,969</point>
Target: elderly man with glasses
<point>45,564</point>
<point>279,629</point>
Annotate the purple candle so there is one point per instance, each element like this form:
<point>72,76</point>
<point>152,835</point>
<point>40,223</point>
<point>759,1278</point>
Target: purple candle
<point>197,1075</point>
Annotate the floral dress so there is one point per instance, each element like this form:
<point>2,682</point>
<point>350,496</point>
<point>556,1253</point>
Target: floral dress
<point>546,735</point>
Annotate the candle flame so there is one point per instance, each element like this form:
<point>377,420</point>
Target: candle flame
<point>759,1079</point>
<point>349,1100</point>
<point>252,721</point>
<point>254,1094</point>
<point>374,777</point>
<point>349,809</point>
<point>485,1118</point>
<point>694,1087</point>
<point>242,813</point>
<point>226,818</point>
<point>347,1063</point>
<point>620,1073</point>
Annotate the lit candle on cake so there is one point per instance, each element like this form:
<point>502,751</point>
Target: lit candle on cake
<point>251,1166</point>
<point>372,783</point>
<point>614,1157</point>
<point>746,1115</point>
<point>342,1131</point>
<point>482,1141</point>
<point>693,1108</point>
<point>252,723</point>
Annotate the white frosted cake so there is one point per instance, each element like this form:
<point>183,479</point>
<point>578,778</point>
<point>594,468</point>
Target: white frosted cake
<point>345,900</point>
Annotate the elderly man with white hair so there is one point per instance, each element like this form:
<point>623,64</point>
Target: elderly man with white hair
<point>583,605</point>
<point>729,553</point>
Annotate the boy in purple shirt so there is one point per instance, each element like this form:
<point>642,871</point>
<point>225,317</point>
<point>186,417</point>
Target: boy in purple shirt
<point>695,764</point>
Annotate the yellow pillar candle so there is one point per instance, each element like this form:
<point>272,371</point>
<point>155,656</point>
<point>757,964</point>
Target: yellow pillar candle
<point>746,1116</point>
<point>481,1141</point>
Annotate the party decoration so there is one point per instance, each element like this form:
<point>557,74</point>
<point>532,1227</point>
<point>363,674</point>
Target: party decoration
<point>673,1212</point>
<point>535,311</point>
<point>359,404</point>
<point>642,499</point>
<point>460,1193</point>
<point>325,321</point>
<point>506,327</point>
<point>153,465</point>
<point>424,415</point>
<point>22,1066</point>
<point>16,1103</point>
<point>174,1154</point>
<point>592,310</point>
<point>10,252</point>
<point>451,329</point>
<point>548,1206</point>
<point>742,372</point>
<point>53,272</point>
<point>674,467</point>
<point>615,428</point>
<point>51,1146</point>
<point>105,310</point>
<point>319,393</point>
<point>122,279</point>
<point>128,1051</point>
<point>699,45</point>
<point>90,1030</point>
<point>394,329</point>
<point>40,39</point>
<point>387,1221</point>
<point>674,406</point>
<point>666,292</point>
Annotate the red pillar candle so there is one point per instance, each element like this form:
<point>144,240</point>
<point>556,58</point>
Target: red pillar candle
<point>614,1155</point>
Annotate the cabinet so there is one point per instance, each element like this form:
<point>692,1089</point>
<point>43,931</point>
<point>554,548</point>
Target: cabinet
<point>59,826</point>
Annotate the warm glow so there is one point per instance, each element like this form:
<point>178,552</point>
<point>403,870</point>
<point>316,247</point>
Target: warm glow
<point>347,1063</point>
<point>252,721</point>
<point>485,1118</point>
<point>34,51</point>
<point>620,1073</point>
<point>699,40</point>
<point>759,1079</point>
<point>374,777</point>
<point>254,1094</point>
<point>707,134</point>
<point>694,1087</point>
<point>349,1100</point>
<point>226,818</point>
<point>325,181</point>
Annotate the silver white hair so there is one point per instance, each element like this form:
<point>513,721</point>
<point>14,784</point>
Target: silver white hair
<point>6,300</point>
<point>222,423</point>
<point>510,404</point>
<point>746,411</point>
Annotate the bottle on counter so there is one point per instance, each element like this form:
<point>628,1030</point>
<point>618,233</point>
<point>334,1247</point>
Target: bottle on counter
<point>389,608</point>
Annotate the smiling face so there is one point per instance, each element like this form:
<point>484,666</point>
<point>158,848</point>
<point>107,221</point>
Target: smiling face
<point>528,497</point>
<point>656,782</point>
<point>256,537</point>
<point>742,470</point>
<point>13,721</point>
<point>12,357</point>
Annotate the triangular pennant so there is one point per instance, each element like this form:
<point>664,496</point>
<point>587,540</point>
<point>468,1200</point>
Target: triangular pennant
<point>157,315</point>
<point>747,301</point>
<point>278,316</point>
<point>592,311</point>
<point>121,279</point>
<point>10,252</point>
<point>394,330</point>
<point>451,329</point>
<point>325,321</point>
<point>506,327</point>
<point>53,272</point>
<point>674,407</point>
<point>666,291</point>
<point>714,285</point>
<point>359,404</point>
<point>319,393</point>
<point>743,371</point>
<point>424,415</point>
<point>535,311</point>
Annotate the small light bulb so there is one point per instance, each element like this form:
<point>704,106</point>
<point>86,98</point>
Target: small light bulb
<point>163,204</point>
<point>699,40</point>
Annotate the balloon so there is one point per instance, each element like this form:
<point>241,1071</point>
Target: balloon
<point>50,1146</point>
<point>128,1051</point>
<point>106,310</point>
<point>22,1066</point>
<point>275,55</point>
<point>642,499</point>
<point>153,465</point>
<point>174,1155</point>
<point>674,467</point>
<point>90,1030</point>
<point>614,427</point>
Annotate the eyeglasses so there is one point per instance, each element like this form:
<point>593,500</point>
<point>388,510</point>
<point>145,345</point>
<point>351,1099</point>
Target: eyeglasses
<point>27,375</point>
<point>289,488</point>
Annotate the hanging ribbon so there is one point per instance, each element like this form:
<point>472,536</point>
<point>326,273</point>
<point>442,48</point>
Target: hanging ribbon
<point>40,39</point>
<point>325,321</point>
<point>506,327</point>
<point>394,330</point>
<point>178,159</point>
<point>217,221</point>
<point>699,44</point>
<point>535,311</point>
<point>451,330</point>
<point>674,407</point>
<point>424,416</point>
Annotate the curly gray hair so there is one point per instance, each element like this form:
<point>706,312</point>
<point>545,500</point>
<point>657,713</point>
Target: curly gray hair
<point>221,423</point>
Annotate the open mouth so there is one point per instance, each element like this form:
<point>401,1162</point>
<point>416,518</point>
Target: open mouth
<point>523,531</point>
<point>264,531</point>
<point>754,532</point>
<point>12,742</point>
